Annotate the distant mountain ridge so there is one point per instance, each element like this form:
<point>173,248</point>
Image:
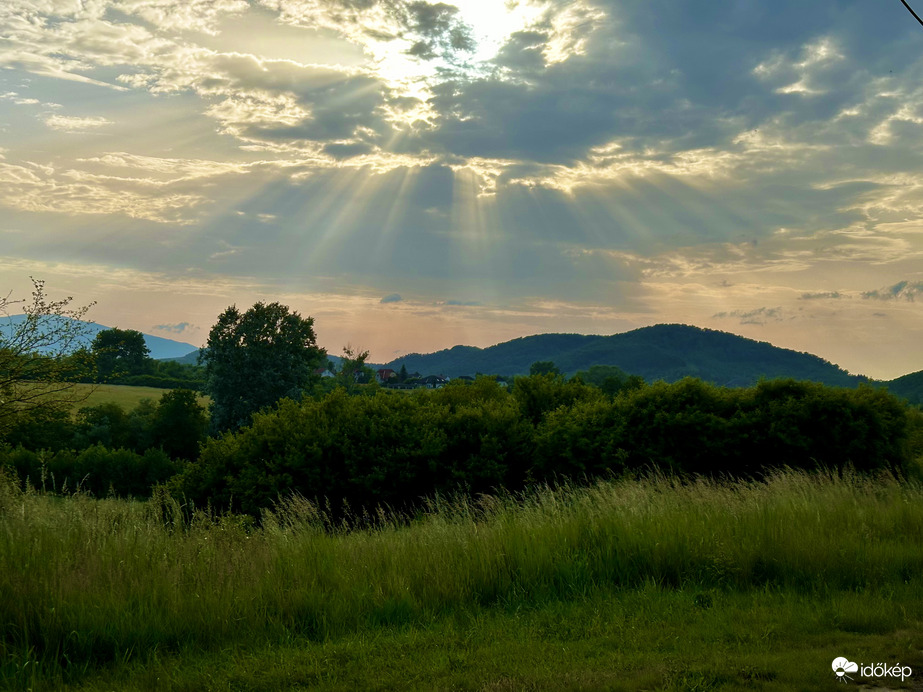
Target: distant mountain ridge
<point>160,347</point>
<point>662,352</point>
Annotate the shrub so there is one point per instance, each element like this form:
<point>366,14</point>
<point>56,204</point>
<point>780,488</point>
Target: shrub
<point>97,470</point>
<point>395,448</point>
<point>382,449</point>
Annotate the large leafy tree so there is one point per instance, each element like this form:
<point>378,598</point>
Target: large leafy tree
<point>42,357</point>
<point>179,424</point>
<point>121,352</point>
<point>255,358</point>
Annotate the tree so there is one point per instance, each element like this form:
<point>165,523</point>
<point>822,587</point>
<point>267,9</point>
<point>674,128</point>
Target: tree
<point>353,370</point>
<point>42,357</point>
<point>610,379</point>
<point>180,424</point>
<point>255,358</point>
<point>544,367</point>
<point>121,352</point>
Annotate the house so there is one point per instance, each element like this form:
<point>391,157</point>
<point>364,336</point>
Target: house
<point>434,381</point>
<point>385,375</point>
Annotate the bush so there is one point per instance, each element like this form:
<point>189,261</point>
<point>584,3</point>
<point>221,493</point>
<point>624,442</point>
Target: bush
<point>97,470</point>
<point>538,395</point>
<point>52,429</point>
<point>395,448</point>
<point>697,428</point>
<point>179,424</point>
<point>382,449</point>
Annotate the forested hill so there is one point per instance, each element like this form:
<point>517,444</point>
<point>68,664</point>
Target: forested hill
<point>664,351</point>
<point>910,387</point>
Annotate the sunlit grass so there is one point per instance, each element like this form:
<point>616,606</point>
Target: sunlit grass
<point>89,584</point>
<point>125,396</point>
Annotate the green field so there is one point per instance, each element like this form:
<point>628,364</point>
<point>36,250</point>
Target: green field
<point>126,396</point>
<point>625,585</point>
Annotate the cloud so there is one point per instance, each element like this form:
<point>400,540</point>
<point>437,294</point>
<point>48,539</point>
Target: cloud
<point>436,147</point>
<point>178,328</point>
<point>822,295</point>
<point>392,298</point>
<point>183,15</point>
<point>65,123</point>
<point>19,100</point>
<point>759,316</point>
<point>464,303</point>
<point>902,290</point>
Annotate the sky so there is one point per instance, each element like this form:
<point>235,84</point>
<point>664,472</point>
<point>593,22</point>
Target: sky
<point>417,175</point>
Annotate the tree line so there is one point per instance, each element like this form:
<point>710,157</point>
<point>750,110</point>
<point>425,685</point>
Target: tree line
<point>275,427</point>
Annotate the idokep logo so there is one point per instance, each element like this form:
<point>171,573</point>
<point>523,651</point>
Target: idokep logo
<point>842,666</point>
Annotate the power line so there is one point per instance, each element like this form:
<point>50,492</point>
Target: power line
<point>910,9</point>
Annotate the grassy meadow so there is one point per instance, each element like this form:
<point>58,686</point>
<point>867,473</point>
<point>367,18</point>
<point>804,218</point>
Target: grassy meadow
<point>126,396</point>
<point>627,584</point>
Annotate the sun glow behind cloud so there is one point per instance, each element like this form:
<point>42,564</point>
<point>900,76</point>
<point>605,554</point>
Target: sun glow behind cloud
<point>506,168</point>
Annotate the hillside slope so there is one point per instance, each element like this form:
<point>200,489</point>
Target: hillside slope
<point>664,351</point>
<point>910,387</point>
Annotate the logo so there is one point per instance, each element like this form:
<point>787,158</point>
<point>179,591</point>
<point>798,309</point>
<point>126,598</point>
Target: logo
<point>841,666</point>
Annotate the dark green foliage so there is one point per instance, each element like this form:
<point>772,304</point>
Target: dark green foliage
<point>384,448</point>
<point>544,367</point>
<point>488,442</point>
<point>43,429</point>
<point>909,387</point>
<point>693,427</point>
<point>353,369</point>
<point>106,424</point>
<point>538,395</point>
<point>179,424</point>
<point>610,379</point>
<point>121,352</point>
<point>255,358</point>
<point>97,469</point>
<point>395,448</point>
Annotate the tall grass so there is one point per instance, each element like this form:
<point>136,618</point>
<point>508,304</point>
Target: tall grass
<point>86,582</point>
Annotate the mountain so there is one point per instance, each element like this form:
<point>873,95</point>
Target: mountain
<point>909,387</point>
<point>191,358</point>
<point>160,348</point>
<point>662,352</point>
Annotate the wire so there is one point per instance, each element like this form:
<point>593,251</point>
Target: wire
<point>910,9</point>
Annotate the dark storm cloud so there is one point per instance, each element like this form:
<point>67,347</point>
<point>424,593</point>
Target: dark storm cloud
<point>674,76</point>
<point>441,33</point>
